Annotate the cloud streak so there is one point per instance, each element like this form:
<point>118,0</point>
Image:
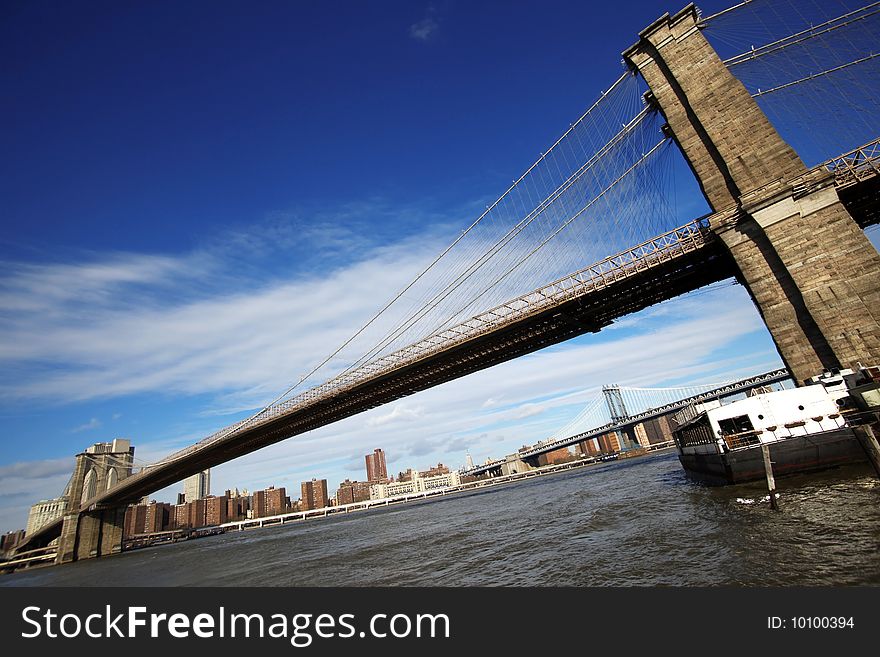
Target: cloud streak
<point>425,29</point>
<point>400,412</point>
<point>94,423</point>
<point>111,330</point>
<point>24,484</point>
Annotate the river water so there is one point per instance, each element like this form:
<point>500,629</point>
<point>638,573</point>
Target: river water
<point>637,522</point>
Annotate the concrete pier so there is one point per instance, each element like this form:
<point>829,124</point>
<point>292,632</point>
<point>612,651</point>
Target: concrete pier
<point>91,534</point>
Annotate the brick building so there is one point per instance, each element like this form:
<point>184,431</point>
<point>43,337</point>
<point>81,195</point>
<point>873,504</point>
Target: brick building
<point>277,501</point>
<point>350,492</point>
<point>314,494</point>
<point>377,470</point>
<point>216,510</point>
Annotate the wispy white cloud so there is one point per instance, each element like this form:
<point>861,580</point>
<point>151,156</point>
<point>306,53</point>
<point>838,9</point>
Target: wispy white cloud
<point>31,288</point>
<point>424,29</point>
<point>399,412</point>
<point>34,470</point>
<point>94,423</point>
<point>24,484</point>
<point>528,410</point>
<point>105,328</point>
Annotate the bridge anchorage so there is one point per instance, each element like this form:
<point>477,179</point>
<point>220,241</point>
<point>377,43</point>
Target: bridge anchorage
<point>792,235</point>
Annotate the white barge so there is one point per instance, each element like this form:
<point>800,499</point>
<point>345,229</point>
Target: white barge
<point>806,429</point>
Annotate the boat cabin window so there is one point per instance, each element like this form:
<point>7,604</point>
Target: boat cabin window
<point>738,424</point>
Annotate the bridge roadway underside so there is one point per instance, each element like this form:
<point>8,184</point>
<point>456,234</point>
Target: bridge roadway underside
<point>863,201</point>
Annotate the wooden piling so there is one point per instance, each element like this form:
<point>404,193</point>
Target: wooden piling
<point>771,481</point>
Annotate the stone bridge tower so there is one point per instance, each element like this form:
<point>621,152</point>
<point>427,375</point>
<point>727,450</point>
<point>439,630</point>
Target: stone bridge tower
<point>811,271</point>
<point>95,532</point>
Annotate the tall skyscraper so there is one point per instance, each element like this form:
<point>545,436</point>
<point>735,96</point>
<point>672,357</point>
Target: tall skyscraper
<point>135,519</point>
<point>469,462</point>
<point>160,516</point>
<point>198,486</point>
<point>560,455</point>
<point>589,447</point>
<point>609,442</point>
<point>10,540</point>
<point>377,471</point>
<point>314,494</point>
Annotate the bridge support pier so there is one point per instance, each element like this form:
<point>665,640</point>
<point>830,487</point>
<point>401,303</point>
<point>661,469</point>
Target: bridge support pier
<point>514,465</point>
<point>807,264</point>
<point>813,276</point>
<point>637,435</point>
<point>91,534</point>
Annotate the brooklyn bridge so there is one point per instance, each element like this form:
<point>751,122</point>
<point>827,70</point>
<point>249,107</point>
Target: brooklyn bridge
<point>783,139</point>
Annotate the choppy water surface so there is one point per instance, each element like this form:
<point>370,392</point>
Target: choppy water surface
<point>638,522</point>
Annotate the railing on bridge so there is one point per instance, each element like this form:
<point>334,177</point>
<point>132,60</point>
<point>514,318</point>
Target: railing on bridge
<point>30,558</point>
<point>722,391</point>
<point>856,166</point>
<point>747,439</point>
<point>776,376</point>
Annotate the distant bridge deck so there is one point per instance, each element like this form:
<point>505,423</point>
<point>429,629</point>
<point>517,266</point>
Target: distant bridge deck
<point>664,267</point>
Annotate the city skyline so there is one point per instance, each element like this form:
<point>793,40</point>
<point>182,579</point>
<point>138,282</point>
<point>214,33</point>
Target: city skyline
<point>197,488</point>
<point>144,243</point>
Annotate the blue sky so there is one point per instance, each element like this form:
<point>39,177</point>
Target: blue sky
<point>201,200</point>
